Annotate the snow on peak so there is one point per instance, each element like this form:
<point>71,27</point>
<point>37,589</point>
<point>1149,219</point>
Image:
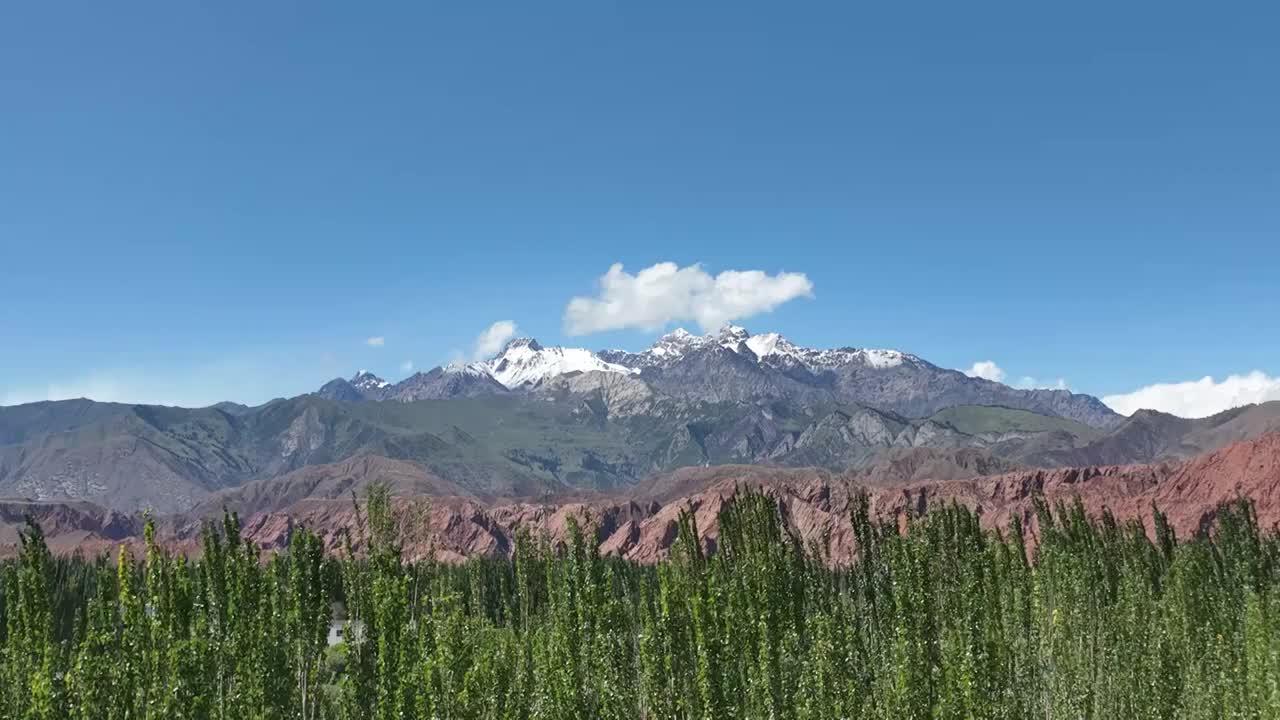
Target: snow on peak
<point>769,348</point>
<point>731,337</point>
<point>675,343</point>
<point>882,358</point>
<point>365,380</point>
<point>679,336</point>
<point>521,345</point>
<point>770,344</point>
<point>524,362</point>
<point>473,369</point>
<point>875,359</point>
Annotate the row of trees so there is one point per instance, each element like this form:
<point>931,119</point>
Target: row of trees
<point>940,620</point>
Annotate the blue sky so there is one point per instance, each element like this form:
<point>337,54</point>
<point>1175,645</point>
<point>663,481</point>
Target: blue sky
<point>200,203</point>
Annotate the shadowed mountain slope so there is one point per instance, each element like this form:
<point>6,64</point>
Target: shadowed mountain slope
<point>641,524</point>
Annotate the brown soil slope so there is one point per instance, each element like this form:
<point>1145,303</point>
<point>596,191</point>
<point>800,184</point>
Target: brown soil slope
<point>642,527</point>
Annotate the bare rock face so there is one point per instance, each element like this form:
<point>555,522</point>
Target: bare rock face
<point>816,504</point>
<point>442,382</point>
<point>732,365</point>
<point>609,394</point>
<point>68,526</point>
<point>570,426</point>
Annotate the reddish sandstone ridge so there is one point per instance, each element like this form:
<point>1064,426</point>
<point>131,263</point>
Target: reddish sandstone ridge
<point>816,504</point>
<point>68,526</point>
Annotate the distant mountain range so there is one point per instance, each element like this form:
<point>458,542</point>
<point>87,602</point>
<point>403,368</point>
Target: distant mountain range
<point>734,366</point>
<point>543,422</point>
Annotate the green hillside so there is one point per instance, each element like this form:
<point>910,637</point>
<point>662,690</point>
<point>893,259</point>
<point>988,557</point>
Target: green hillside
<point>981,419</point>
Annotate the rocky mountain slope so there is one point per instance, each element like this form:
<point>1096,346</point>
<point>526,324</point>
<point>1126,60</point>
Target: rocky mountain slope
<point>597,430</point>
<point>537,423</point>
<point>640,525</point>
<point>734,366</point>
<point>816,503</point>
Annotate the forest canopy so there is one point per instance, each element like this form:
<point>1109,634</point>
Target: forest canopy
<point>940,619</point>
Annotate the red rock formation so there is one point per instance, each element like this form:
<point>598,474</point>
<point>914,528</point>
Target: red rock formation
<point>815,503</point>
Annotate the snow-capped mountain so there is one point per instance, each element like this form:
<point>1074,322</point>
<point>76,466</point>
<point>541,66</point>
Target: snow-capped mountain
<point>453,380</point>
<point>766,348</point>
<point>523,363</point>
<point>773,347</point>
<point>678,345</point>
<point>472,369</point>
<point>733,366</point>
<point>366,381</point>
<point>362,386</point>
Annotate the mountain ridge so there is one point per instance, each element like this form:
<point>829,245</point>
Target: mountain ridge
<point>735,366</point>
<point>572,421</point>
<point>640,524</point>
<point>595,431</point>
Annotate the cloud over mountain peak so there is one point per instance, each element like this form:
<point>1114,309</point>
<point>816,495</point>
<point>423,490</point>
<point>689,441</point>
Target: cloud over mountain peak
<point>665,293</point>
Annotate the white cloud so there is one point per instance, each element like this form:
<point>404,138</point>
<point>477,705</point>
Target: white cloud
<point>494,338</point>
<point>377,341</point>
<point>666,293</point>
<point>987,370</point>
<point>1199,398</point>
<point>406,366</point>
<point>1026,382</point>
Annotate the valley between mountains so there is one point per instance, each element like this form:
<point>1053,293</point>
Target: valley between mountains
<point>535,434</point>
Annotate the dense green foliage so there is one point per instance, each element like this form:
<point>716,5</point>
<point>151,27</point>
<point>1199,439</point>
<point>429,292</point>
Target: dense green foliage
<point>940,620</point>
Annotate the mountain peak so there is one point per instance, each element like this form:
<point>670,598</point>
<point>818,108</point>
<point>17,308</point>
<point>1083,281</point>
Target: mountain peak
<point>733,332</point>
<point>521,343</point>
<point>768,344</point>
<point>679,335</point>
<point>731,364</point>
<point>525,363</point>
<point>365,380</point>
<point>476,369</point>
<point>339,389</point>
<point>732,337</point>
<point>675,343</point>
